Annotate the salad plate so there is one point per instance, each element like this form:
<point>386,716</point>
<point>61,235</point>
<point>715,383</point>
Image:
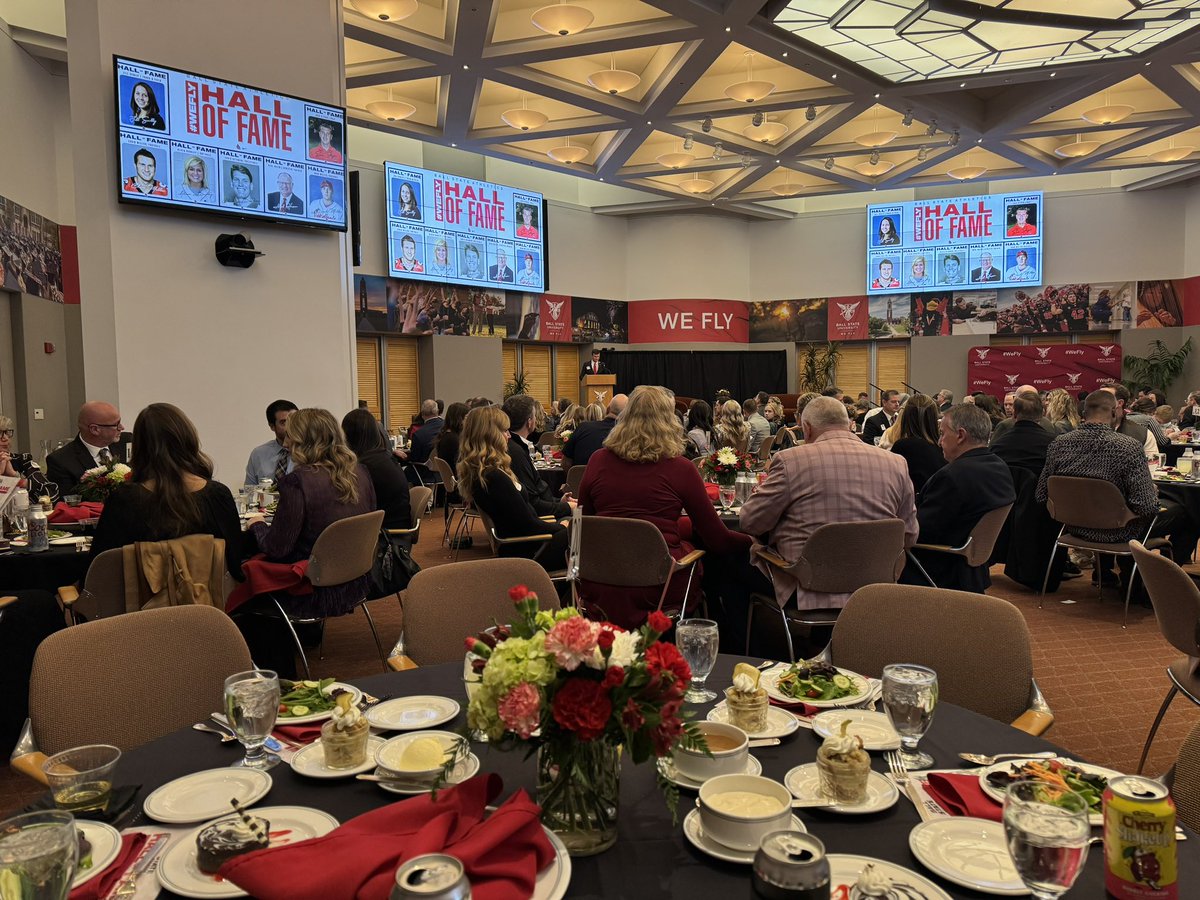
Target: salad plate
<point>805,784</point>
<point>317,715</point>
<point>1016,768</point>
<point>694,832</point>
<point>844,869</point>
<point>310,760</point>
<point>780,722</point>
<point>875,728</point>
<point>205,795</point>
<point>106,846</point>
<point>969,852</point>
<point>840,688</point>
<point>412,713</point>
<point>666,768</point>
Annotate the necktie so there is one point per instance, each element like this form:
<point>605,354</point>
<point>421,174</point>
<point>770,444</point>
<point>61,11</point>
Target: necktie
<point>105,457</point>
<point>281,462</point>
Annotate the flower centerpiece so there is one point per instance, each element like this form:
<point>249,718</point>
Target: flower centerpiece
<point>96,484</point>
<point>724,465</point>
<point>577,692</point>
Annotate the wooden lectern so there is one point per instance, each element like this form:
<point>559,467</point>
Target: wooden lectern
<point>598,389</point>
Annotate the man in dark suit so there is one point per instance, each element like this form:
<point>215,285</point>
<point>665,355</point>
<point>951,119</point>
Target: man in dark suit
<point>1024,444</point>
<point>283,200</point>
<point>590,436</point>
<point>500,271</point>
<point>595,367</point>
<point>957,496</point>
<point>876,423</point>
<point>521,410</point>
<point>99,430</point>
<point>986,271</point>
<point>1004,426</point>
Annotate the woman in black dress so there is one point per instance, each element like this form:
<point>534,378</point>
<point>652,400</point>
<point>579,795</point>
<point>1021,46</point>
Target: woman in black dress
<point>391,487</point>
<point>918,441</point>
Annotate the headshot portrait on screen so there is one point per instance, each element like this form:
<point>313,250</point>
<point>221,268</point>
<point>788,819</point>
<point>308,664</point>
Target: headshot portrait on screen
<point>240,192</point>
<point>327,207</point>
<point>1022,268</point>
<point>884,279</point>
<point>472,263</point>
<point>528,227</point>
<point>919,277</point>
<point>952,272</point>
<point>325,140</point>
<point>408,201</point>
<point>528,275</point>
<point>985,271</point>
<point>501,270</point>
<point>143,107</point>
<point>285,200</point>
<point>885,233</point>
<point>1022,220</point>
<point>192,184</point>
<point>142,181</point>
<point>407,260</point>
<point>440,263</point>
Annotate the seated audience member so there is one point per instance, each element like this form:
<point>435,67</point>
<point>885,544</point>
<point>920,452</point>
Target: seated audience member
<point>699,428</point>
<point>522,410</point>
<point>446,443</point>
<point>552,416</point>
<point>387,477</point>
<point>99,429</point>
<point>917,440</point>
<point>773,413</point>
<point>272,460</point>
<point>944,400</point>
<point>1143,414</point>
<point>1189,413</point>
<point>730,427</point>
<point>171,492</point>
<point>593,412</point>
<point>1062,410</point>
<point>485,477</point>
<point>988,404</point>
<point>1010,406</point>
<point>427,424</point>
<point>1024,444</point>
<point>1164,415</point>
<point>641,474</point>
<point>571,416</point>
<point>875,424</point>
<point>589,436</point>
<point>1122,423</point>
<point>21,465</point>
<point>957,496</point>
<point>760,428</point>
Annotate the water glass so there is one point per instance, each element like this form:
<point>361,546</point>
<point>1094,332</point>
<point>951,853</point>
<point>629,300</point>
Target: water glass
<point>1047,830</point>
<point>727,495</point>
<point>251,704</point>
<point>697,641</point>
<point>910,693</point>
<point>81,778</point>
<point>39,852</point>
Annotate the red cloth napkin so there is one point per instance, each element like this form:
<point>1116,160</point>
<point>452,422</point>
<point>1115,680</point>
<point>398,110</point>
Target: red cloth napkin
<point>99,886</point>
<point>713,491</point>
<point>263,577</point>
<point>502,853</point>
<point>298,734</point>
<point>962,795</point>
<point>89,509</point>
<point>556,454</point>
<point>799,708</point>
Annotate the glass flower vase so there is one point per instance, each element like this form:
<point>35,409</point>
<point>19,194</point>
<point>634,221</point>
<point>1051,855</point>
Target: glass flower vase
<point>578,787</point>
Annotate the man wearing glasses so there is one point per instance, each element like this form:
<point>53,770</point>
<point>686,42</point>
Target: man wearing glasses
<point>99,430</point>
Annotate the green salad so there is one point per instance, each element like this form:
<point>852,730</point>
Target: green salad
<point>816,681</point>
<point>303,698</point>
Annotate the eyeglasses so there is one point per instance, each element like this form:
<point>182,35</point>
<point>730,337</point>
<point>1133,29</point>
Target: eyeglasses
<point>117,424</point>
<point>7,432</point>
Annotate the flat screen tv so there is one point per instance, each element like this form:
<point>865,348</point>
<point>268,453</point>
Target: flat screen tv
<point>199,143</point>
<point>989,241</point>
<point>455,230</point>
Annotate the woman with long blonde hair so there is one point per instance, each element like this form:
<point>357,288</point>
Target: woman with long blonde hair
<point>593,412</point>
<point>569,419</point>
<point>641,474</point>
<point>730,426</point>
<point>1062,411</point>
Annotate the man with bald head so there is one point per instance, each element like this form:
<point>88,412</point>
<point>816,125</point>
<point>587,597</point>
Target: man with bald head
<point>1005,425</point>
<point>590,436</point>
<point>99,429</point>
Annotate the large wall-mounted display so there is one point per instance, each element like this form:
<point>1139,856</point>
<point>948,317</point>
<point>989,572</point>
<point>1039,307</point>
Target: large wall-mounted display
<point>200,143</point>
<point>455,230</point>
<point>928,245</point>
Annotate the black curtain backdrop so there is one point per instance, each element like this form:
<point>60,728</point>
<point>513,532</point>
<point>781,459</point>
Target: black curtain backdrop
<point>699,374</point>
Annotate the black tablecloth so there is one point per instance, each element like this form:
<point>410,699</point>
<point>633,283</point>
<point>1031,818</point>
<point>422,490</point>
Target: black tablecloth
<point>49,570</point>
<point>1174,451</point>
<point>555,477</point>
<point>651,858</point>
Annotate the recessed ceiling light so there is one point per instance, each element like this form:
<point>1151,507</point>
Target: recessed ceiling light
<point>785,53</point>
<point>1052,74</point>
<point>727,29</point>
<point>835,74</point>
<point>465,67</point>
<point>962,84</point>
<point>876,96</point>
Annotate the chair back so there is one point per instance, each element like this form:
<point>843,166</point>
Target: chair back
<point>1087,503</point>
<point>443,605</point>
<point>985,534</point>
<point>764,449</point>
<point>103,593</point>
<point>959,635</point>
<point>443,469</point>
<point>1175,598</point>
<point>184,653</point>
<point>345,550</point>
<point>622,552</point>
<point>876,548</point>
<point>1186,788</point>
<point>574,480</point>
<point>418,500</point>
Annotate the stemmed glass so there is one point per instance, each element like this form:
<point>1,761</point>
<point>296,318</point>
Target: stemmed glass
<point>251,704</point>
<point>1047,830</point>
<point>39,852</point>
<point>910,693</point>
<point>727,493</point>
<point>697,641</point>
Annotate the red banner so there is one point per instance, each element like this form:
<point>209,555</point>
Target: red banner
<point>849,319</point>
<point>1076,367</point>
<point>676,321</point>
<point>555,318</point>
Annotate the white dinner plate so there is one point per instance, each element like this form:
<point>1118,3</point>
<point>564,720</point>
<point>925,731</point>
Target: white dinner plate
<point>805,784</point>
<point>179,872</point>
<point>67,541</point>
<point>780,722</point>
<point>844,869</point>
<point>997,794</point>
<point>874,728</point>
<point>666,767</point>
<point>412,713</point>
<point>106,846</point>
<point>355,695</point>
<point>203,796</point>
<point>970,852</point>
<point>310,761</point>
<point>770,683</point>
<point>463,770</point>
<point>552,882</point>
<point>694,832</point>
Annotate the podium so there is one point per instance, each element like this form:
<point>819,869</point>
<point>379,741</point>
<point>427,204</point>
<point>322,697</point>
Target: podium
<point>598,389</point>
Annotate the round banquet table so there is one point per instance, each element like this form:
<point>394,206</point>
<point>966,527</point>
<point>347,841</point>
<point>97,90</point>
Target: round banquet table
<point>48,570</point>
<point>554,475</point>
<point>651,858</point>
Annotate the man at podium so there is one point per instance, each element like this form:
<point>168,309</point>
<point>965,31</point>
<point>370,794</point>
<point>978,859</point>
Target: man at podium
<point>595,367</point>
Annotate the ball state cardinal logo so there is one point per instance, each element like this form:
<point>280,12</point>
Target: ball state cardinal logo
<point>1043,352</point>
<point>983,351</point>
<point>1012,379</point>
<point>1107,351</point>
<point>555,308</point>
<point>849,309</point>
<point>1074,377</point>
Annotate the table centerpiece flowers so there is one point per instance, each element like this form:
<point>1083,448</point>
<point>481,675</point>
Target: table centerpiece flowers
<point>97,483</point>
<point>576,692</point>
<point>723,466</point>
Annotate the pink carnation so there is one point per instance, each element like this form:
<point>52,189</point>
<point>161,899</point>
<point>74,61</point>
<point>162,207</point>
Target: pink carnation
<point>520,709</point>
<point>572,641</point>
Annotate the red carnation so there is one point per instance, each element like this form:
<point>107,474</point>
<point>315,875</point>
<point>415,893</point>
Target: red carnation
<point>666,735</point>
<point>605,640</point>
<point>631,716</point>
<point>518,593</point>
<point>666,659</point>
<point>614,677</point>
<point>659,622</point>
<point>582,706</point>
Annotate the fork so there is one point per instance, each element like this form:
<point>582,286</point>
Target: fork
<point>897,767</point>
<point>128,884</point>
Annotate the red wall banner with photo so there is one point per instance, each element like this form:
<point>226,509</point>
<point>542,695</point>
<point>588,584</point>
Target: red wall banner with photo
<point>678,321</point>
<point>1075,367</point>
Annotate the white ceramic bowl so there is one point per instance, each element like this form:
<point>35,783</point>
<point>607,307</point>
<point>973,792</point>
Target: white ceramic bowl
<point>698,767</point>
<point>389,755</point>
<point>737,831</point>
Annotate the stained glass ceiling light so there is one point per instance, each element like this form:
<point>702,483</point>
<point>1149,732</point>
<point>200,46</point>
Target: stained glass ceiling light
<point>562,20</point>
<point>749,91</point>
<point>386,10</point>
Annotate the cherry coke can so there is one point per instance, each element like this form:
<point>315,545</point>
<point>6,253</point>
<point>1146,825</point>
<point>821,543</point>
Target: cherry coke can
<point>1139,840</point>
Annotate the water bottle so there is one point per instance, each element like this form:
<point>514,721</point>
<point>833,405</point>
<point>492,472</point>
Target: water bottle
<point>39,529</point>
<point>21,509</point>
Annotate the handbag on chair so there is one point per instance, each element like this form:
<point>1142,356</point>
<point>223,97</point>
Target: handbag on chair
<point>393,568</point>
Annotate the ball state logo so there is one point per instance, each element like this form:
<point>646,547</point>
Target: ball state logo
<point>1012,379</point>
<point>982,351</point>
<point>1073,377</point>
<point>555,308</point>
<point>849,309</point>
<point>1107,350</point>
<point>1043,352</point>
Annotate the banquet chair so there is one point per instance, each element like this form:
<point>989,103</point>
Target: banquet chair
<point>978,547</point>
<point>1185,786</point>
<point>103,593</point>
<point>574,480</point>
<point>978,645</point>
<point>418,499</point>
<point>1098,505</point>
<point>446,604</point>
<point>450,484</point>
<point>877,549</point>
<point>764,449</point>
<point>1176,602</point>
<point>496,542</point>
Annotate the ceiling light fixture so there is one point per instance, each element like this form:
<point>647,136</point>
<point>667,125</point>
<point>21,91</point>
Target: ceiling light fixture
<point>567,154</point>
<point>923,154</point>
<point>697,185</point>
<point>390,110</point>
<point>613,80</point>
<point>746,160</point>
<point>872,169</point>
<point>562,20</point>
<point>967,172</point>
<point>955,137</point>
<point>787,188</point>
<point>757,118</point>
<point>749,91</point>
<point>1108,114</point>
<point>689,142</point>
<point>907,120</point>
<point>718,149</point>
<point>932,129</point>
<point>767,132</point>
<point>875,137</point>
<point>675,160</point>
<point>706,125</point>
<point>1078,148</point>
<point>829,164</point>
<point>386,10</point>
<point>1172,153</point>
<point>810,113</point>
<point>874,157</point>
<point>524,119</point>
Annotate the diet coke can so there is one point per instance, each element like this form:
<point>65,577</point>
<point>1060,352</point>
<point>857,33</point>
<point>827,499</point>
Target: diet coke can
<point>1139,840</point>
<point>434,876</point>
